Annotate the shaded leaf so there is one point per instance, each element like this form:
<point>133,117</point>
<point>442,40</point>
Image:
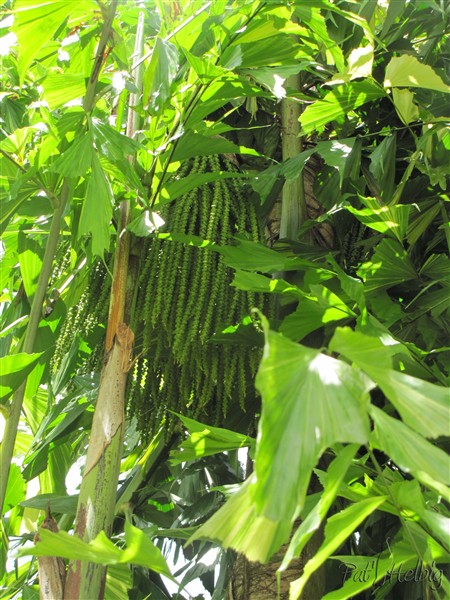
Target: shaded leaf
<point>205,440</point>
<point>337,529</point>
<point>390,265</point>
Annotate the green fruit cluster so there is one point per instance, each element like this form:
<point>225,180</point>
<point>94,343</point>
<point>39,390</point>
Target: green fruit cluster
<point>185,297</point>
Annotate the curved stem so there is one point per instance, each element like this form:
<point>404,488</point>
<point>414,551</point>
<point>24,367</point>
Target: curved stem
<point>12,423</point>
<point>9,438</point>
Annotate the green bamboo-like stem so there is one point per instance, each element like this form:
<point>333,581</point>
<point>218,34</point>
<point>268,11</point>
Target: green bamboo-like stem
<point>98,489</point>
<point>293,205</point>
<point>9,438</point>
<point>12,422</point>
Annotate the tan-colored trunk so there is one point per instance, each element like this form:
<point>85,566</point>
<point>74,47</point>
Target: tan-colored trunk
<point>254,581</point>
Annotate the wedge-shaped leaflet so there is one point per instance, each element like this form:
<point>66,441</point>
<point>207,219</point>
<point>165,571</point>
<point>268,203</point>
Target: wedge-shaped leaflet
<point>422,405</point>
<point>35,23</point>
<point>411,452</point>
<point>139,549</point>
<point>205,440</point>
<point>389,266</point>
<point>337,103</point>
<point>362,572</point>
<point>310,402</point>
<point>159,75</point>
<point>408,71</point>
<point>97,209</point>
<point>14,370</point>
<point>236,525</point>
<point>77,159</point>
<point>337,530</point>
<point>60,88</point>
<point>334,478</point>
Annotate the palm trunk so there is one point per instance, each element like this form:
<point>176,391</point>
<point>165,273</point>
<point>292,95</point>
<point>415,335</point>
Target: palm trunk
<point>98,490</point>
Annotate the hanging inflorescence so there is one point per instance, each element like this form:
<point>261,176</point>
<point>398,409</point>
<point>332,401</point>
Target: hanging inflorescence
<point>184,297</point>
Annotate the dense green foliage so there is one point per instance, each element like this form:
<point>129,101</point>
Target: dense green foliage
<point>354,375</point>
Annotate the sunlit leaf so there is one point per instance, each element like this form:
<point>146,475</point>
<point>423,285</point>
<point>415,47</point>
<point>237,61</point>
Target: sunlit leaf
<point>334,478</point>
<point>60,88</point>
<point>16,488</point>
<point>77,159</point>
<point>424,406</point>
<point>35,24</point>
<point>237,525</point>
<point>410,451</point>
<point>58,504</point>
<point>139,549</point>
<point>97,209</point>
<point>406,108</point>
<point>314,312</point>
<point>408,71</point>
<point>310,402</point>
<point>360,573</point>
<point>14,370</point>
<point>257,257</point>
<point>392,220</point>
<point>337,103</point>
<point>30,259</point>
<point>159,74</point>
<point>194,144</point>
<point>364,350</point>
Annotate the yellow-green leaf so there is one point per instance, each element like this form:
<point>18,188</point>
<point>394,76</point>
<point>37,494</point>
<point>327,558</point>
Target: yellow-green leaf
<point>408,71</point>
